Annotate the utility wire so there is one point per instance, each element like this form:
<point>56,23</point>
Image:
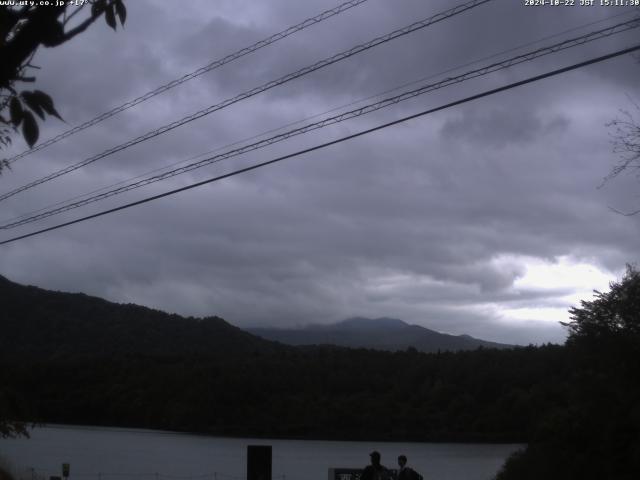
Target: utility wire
<point>250,93</point>
<point>196,73</point>
<point>333,142</point>
<point>311,117</point>
<point>526,57</point>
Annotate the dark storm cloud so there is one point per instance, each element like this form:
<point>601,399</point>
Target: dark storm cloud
<point>421,54</point>
<point>500,126</point>
<point>438,221</point>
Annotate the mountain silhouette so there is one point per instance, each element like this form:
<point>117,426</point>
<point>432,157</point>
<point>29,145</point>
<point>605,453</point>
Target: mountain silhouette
<point>379,333</point>
<point>38,323</point>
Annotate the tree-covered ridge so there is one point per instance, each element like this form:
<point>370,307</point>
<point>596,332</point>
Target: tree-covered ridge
<point>324,392</point>
<point>79,359</point>
<point>44,324</point>
<point>577,406</point>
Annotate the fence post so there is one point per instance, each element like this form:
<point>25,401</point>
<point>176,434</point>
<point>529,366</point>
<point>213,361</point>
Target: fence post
<point>259,462</point>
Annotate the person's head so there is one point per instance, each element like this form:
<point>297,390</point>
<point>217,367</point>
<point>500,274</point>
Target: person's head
<point>402,461</point>
<point>375,458</point>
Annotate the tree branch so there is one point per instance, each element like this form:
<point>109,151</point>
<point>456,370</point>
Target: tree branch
<point>76,30</point>
<point>83,26</point>
<point>75,12</point>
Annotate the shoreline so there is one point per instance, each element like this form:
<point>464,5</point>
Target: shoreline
<point>249,436</point>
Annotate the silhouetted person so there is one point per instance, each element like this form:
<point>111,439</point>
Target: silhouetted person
<point>406,473</point>
<point>375,471</point>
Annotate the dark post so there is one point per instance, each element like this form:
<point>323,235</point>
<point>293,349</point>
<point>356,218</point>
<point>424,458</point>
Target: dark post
<point>259,462</point>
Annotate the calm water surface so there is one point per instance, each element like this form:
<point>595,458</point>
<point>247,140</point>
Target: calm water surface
<point>119,454</point>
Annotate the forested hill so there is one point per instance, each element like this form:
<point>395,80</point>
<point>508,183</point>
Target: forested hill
<point>379,333</point>
<point>576,405</point>
<point>72,358</point>
<point>44,324</point>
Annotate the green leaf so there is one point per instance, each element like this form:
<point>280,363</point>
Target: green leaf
<point>30,130</point>
<point>15,109</point>
<point>121,10</point>
<point>46,103</point>
<point>110,16</point>
<point>33,103</point>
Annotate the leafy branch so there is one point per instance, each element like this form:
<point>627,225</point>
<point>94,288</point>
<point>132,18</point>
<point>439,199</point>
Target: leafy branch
<point>22,31</point>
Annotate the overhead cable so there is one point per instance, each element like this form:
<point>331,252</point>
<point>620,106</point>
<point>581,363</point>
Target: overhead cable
<point>316,115</point>
<point>254,91</point>
<point>494,67</point>
<point>332,142</point>
<point>196,73</point>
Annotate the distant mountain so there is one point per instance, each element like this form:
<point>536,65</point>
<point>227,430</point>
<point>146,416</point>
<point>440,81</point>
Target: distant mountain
<point>380,333</point>
<point>38,323</point>
<point>75,359</point>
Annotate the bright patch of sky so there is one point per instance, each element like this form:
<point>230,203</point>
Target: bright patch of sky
<point>578,278</point>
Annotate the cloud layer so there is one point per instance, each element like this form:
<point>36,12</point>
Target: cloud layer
<point>483,219</point>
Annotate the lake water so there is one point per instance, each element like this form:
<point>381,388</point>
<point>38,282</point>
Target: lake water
<point>120,454</point>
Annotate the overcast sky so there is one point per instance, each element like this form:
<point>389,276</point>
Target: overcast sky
<point>484,219</point>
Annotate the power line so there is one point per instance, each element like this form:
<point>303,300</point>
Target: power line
<point>525,57</point>
<point>196,73</point>
<point>334,109</point>
<point>254,91</point>
<point>333,142</point>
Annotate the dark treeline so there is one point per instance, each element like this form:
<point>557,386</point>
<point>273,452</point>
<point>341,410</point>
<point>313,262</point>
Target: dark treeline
<point>595,432</point>
<point>38,323</point>
<point>73,359</point>
<point>324,392</point>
